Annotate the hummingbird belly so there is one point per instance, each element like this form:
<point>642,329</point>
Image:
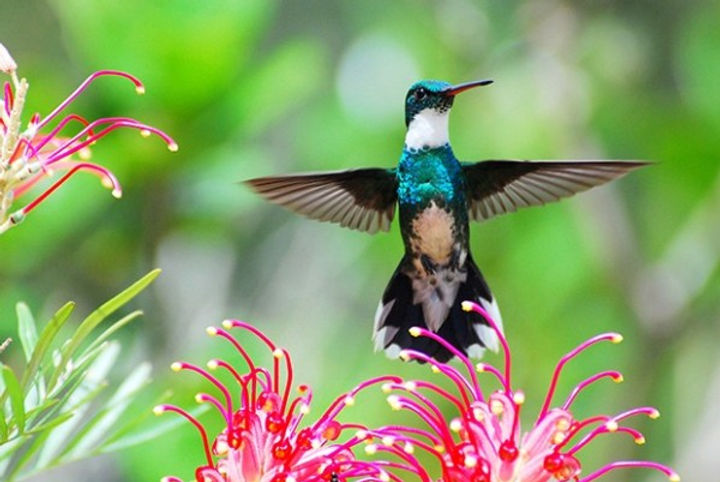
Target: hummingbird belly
<point>434,235</point>
<point>437,257</point>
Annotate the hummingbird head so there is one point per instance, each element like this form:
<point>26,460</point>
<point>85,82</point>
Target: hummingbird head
<point>427,104</point>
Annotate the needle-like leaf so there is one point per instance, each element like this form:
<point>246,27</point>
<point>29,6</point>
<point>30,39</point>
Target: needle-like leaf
<point>96,317</point>
<point>12,388</point>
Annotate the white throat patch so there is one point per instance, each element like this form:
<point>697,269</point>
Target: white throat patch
<point>429,128</point>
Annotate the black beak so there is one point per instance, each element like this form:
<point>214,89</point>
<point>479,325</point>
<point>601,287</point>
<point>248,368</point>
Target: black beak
<point>456,89</point>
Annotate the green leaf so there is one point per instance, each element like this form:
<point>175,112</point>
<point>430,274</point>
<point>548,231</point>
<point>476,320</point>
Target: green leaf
<point>28,339</point>
<point>78,374</point>
<point>96,317</point>
<point>78,401</point>
<point>34,414</point>
<point>113,328</point>
<point>26,330</point>
<point>12,387</point>
<point>100,426</point>
<point>46,339</point>
<point>52,423</point>
<point>7,450</point>
<point>59,424</point>
<point>41,434</point>
<point>3,426</point>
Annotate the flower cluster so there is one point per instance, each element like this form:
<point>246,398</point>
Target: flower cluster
<point>485,442</point>
<point>263,440</point>
<point>28,155</point>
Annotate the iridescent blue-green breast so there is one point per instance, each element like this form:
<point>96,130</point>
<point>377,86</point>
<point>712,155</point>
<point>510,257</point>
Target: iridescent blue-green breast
<point>431,179</point>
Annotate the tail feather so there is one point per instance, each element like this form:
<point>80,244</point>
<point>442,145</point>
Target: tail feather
<point>466,331</point>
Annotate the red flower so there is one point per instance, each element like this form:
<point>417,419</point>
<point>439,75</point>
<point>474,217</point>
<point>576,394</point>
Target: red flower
<point>27,156</point>
<point>485,442</point>
<point>263,440</point>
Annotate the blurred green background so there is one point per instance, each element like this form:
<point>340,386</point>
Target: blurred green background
<point>259,87</point>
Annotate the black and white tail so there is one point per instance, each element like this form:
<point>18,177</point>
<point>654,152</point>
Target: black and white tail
<point>401,309</point>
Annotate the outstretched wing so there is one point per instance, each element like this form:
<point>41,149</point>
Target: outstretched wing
<point>499,187</point>
<point>362,199</point>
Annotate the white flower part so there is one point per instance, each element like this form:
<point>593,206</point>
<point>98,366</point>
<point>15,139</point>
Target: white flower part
<point>7,63</point>
<point>428,129</point>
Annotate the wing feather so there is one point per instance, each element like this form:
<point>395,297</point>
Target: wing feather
<point>362,199</point>
<point>497,187</point>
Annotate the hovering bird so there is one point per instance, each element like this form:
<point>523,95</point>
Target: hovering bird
<point>437,196</point>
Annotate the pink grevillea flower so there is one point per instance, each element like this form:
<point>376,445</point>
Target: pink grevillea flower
<point>263,440</point>
<point>28,155</point>
<point>485,441</point>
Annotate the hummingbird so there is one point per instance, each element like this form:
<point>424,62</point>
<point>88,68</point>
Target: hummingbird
<point>437,196</point>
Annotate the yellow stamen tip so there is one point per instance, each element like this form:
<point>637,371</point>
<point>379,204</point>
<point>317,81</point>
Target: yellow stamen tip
<point>388,441</point>
<point>404,356</point>
<point>470,461</point>
<point>361,434</point>
<point>480,367</point>
<point>227,324</point>
<point>674,477</point>
<point>199,398</point>
<point>370,449</point>
<point>386,388</point>
<point>409,448</point>
<point>563,424</point>
<point>212,364</point>
<point>414,331</point>
<point>158,410</point>
<point>173,147</point>
<point>619,379</point>
<point>145,132</point>
<point>349,401</point>
<point>435,368</point>
<point>85,154</point>
<point>467,305</point>
<point>640,440</point>
<point>140,89</point>
<point>211,330</point>
<point>611,426</point>
<point>519,398</point>
<point>394,402</point>
<point>410,386</point>
<point>304,408</point>
<point>176,366</point>
<point>654,414</point>
<point>278,353</point>
<point>617,338</point>
<point>384,477</point>
<point>456,425</point>
<point>116,193</point>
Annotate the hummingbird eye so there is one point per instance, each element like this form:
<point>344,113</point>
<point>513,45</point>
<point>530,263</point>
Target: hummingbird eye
<point>420,93</point>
